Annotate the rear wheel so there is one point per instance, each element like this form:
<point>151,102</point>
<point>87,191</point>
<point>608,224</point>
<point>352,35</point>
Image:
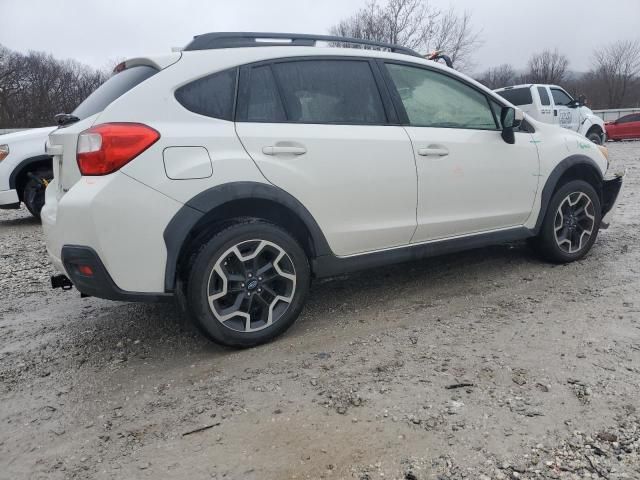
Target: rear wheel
<point>248,284</point>
<point>34,188</point>
<point>571,224</point>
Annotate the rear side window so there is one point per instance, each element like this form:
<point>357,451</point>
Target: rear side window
<point>544,96</point>
<point>212,96</point>
<point>330,91</point>
<point>112,89</point>
<point>517,96</point>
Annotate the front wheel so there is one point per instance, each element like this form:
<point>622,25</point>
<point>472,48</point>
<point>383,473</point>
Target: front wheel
<point>34,188</point>
<point>571,224</point>
<point>248,284</point>
<point>595,137</point>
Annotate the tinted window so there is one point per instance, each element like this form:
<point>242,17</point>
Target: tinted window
<point>544,96</point>
<point>559,97</point>
<point>212,95</point>
<point>112,89</point>
<point>263,101</point>
<point>629,118</point>
<point>432,99</point>
<point>330,91</point>
<point>517,96</point>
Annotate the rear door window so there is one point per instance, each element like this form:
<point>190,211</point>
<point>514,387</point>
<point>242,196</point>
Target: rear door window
<point>330,91</point>
<point>544,96</point>
<point>112,89</point>
<point>260,100</point>
<point>212,96</point>
<point>517,96</point>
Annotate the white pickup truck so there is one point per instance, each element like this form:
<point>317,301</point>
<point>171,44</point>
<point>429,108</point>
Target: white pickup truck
<point>552,104</point>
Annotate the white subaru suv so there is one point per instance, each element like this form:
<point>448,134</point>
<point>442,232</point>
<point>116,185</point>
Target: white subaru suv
<point>232,173</point>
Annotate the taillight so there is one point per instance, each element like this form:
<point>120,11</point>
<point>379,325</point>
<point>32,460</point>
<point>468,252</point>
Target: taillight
<point>106,148</point>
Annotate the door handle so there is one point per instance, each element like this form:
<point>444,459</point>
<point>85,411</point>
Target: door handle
<point>271,150</point>
<point>433,152</point>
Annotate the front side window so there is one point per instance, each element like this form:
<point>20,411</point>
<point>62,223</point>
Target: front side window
<point>432,99</point>
<point>544,96</point>
<point>212,96</point>
<point>560,97</point>
<point>330,91</point>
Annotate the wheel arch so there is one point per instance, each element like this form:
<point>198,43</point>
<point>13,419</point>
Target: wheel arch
<point>574,167</point>
<point>216,207</point>
<point>18,176</point>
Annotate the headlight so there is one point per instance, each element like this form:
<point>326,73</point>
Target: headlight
<point>604,151</point>
<point>4,151</point>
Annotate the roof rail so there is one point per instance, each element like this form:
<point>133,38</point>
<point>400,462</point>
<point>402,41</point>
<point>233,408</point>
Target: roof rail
<point>215,40</point>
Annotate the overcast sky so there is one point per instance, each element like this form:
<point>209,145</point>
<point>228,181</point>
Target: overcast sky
<point>98,32</point>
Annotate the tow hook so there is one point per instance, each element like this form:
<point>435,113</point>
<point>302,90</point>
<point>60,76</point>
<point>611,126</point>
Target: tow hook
<point>42,181</point>
<point>61,281</point>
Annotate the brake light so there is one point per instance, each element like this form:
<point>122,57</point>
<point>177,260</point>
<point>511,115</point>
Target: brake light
<point>106,148</point>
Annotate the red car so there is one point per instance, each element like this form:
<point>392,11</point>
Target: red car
<point>624,127</point>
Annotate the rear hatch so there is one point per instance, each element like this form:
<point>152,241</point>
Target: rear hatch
<point>62,142</point>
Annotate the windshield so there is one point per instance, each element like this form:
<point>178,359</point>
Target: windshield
<point>517,96</point>
<point>112,89</point>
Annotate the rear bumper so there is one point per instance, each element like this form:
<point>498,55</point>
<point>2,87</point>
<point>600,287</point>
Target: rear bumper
<point>9,199</point>
<point>611,189</point>
<point>99,283</point>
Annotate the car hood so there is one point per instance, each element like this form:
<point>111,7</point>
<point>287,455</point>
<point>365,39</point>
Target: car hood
<point>30,134</point>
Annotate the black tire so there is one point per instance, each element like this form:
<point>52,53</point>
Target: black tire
<point>553,247</point>
<point>595,137</point>
<point>33,190</point>
<point>205,280</point>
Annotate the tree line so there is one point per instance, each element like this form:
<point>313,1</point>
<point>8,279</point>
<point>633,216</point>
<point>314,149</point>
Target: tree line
<point>612,82</point>
<point>36,86</point>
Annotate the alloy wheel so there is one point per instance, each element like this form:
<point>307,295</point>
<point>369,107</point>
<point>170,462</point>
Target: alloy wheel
<point>574,222</point>
<point>251,285</point>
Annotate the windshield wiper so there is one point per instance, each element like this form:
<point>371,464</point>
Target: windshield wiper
<point>63,119</point>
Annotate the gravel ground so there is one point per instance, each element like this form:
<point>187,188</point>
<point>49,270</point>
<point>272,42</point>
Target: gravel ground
<point>488,364</point>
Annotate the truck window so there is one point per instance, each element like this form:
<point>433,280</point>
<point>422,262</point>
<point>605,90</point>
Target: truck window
<point>544,96</point>
<point>517,96</point>
<point>560,97</point>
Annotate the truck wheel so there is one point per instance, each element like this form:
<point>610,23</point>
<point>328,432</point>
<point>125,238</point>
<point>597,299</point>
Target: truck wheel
<point>595,137</point>
<point>571,224</point>
<point>248,284</point>
<point>33,191</point>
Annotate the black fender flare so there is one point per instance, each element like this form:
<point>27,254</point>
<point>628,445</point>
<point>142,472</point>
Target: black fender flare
<point>553,178</point>
<point>13,177</point>
<point>183,222</point>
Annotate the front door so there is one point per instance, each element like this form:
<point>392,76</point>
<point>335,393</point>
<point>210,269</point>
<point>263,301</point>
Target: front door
<point>469,179</point>
<point>565,117</point>
<point>318,129</point>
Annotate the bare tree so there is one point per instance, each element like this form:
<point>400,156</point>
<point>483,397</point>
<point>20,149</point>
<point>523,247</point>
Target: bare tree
<point>617,67</point>
<point>415,24</point>
<point>547,67</point>
<point>496,77</point>
<point>36,86</point>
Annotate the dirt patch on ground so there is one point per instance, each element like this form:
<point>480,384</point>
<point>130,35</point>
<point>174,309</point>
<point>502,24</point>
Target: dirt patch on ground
<point>485,364</point>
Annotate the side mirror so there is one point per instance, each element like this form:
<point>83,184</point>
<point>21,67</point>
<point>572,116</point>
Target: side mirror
<point>574,104</point>
<point>510,118</point>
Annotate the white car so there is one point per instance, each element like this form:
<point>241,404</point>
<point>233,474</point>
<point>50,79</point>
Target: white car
<point>552,104</point>
<point>25,169</point>
<point>232,173</point>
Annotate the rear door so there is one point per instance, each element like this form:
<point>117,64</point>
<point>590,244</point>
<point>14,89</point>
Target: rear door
<point>546,108</point>
<point>469,179</point>
<point>565,117</point>
<point>322,130</point>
